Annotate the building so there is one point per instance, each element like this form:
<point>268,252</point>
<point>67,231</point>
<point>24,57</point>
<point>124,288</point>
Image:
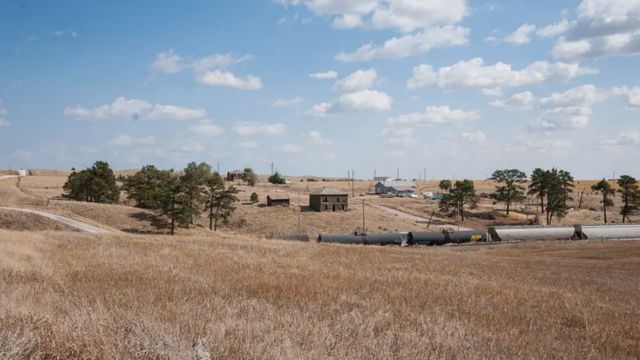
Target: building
<point>380,178</point>
<point>328,199</point>
<point>235,175</point>
<point>278,200</point>
<point>397,188</point>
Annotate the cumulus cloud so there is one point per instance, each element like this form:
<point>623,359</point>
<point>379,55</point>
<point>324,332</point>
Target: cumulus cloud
<point>396,137</point>
<point>632,95</point>
<point>409,44</point>
<point>474,73</point>
<point>161,112</point>
<point>225,78</point>
<point>521,35</point>
<point>629,137</point>
<point>365,100</point>
<point>321,109</point>
<point>121,108</point>
<point>255,128</point>
<point>426,24</point>
<point>329,74</point>
<point>359,80</point>
<point>210,70</point>
<point>553,30</point>
<point>314,137</point>
<point>569,109</point>
<point>436,115</point>
<point>206,127</point>
<point>126,141</point>
<point>603,28</point>
<point>283,103</point>
<point>168,63</point>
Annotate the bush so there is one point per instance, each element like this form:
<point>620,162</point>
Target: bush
<point>276,179</point>
<point>254,198</point>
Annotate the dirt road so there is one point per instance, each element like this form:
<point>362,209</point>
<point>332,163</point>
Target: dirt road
<point>64,220</point>
<point>416,219</point>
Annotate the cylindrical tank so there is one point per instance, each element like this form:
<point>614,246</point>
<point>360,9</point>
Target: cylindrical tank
<point>459,237</point>
<point>383,239</point>
<point>426,238</point>
<point>370,239</point>
<point>506,233</point>
<point>341,238</point>
<point>611,232</point>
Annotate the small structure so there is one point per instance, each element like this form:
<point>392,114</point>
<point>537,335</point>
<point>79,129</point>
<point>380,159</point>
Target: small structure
<point>380,178</point>
<point>397,188</point>
<point>328,199</point>
<point>278,200</point>
<point>235,175</point>
<point>23,172</point>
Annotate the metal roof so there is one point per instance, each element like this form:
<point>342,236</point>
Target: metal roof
<point>396,184</point>
<point>328,191</point>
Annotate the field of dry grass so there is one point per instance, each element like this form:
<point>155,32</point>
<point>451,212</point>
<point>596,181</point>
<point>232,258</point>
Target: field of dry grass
<point>19,221</point>
<point>69,295</point>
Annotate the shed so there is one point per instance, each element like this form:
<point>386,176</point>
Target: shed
<point>328,199</point>
<point>397,188</point>
<point>278,200</point>
<point>235,175</point>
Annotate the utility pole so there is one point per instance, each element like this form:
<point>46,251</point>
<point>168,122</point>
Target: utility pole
<point>364,231</point>
<point>374,174</point>
<point>353,179</point>
<point>398,174</point>
<point>299,215</point>
<point>272,168</point>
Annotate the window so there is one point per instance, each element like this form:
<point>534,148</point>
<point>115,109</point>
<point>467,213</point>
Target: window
<point>325,199</point>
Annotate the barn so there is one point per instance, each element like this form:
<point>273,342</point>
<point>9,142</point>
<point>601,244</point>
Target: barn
<point>397,188</point>
<point>278,200</point>
<point>328,199</point>
<point>235,175</point>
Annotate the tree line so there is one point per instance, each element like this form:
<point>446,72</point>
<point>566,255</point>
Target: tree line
<point>553,188</point>
<point>182,197</point>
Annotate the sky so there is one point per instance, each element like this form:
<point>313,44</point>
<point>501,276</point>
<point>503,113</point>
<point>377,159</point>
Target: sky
<point>446,88</point>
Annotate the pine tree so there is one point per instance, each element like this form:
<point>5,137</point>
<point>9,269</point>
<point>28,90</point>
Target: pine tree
<point>630,192</point>
<point>605,189</point>
<point>509,191</point>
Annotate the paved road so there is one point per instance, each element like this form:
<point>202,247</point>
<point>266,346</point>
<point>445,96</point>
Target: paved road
<point>2,177</point>
<point>414,218</point>
<point>61,219</point>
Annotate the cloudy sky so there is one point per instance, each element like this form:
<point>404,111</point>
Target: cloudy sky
<point>322,86</point>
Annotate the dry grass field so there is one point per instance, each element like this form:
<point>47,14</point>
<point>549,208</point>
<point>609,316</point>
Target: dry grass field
<point>70,295</point>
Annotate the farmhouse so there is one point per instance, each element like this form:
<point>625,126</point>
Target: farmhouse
<point>235,175</point>
<point>397,188</point>
<point>328,199</point>
<point>278,200</point>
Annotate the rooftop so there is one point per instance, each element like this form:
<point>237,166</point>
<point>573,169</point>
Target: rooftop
<point>278,196</point>
<point>328,191</point>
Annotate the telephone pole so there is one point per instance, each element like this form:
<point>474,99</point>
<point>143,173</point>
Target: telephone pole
<point>353,179</point>
<point>364,231</point>
<point>272,168</point>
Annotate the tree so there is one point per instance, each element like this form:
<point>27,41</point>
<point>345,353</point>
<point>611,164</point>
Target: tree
<point>606,191</point>
<point>220,201</point>
<point>558,186</point>
<point>173,201</point>
<point>538,186</point>
<point>509,191</point>
<point>95,184</point>
<point>630,192</point>
<point>460,194</point>
<point>193,178</point>
<point>445,185</point>
<point>249,176</point>
<point>254,198</point>
<point>144,187</point>
<point>276,178</point>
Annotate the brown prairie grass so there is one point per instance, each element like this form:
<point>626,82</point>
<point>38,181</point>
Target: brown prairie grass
<point>70,295</point>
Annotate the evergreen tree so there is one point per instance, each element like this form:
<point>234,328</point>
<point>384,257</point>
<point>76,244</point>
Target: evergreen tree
<point>461,193</point>
<point>254,198</point>
<point>538,186</point>
<point>194,177</point>
<point>250,176</point>
<point>605,189</point>
<point>509,191</point>
<point>445,185</point>
<point>630,192</point>
<point>276,178</point>
<point>558,188</point>
<point>94,184</point>
<point>144,187</point>
<point>220,201</point>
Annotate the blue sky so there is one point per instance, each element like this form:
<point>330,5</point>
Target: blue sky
<point>323,86</point>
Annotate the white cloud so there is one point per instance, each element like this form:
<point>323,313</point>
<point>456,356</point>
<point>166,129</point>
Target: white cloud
<point>160,112</point>
<point>254,128</point>
<point>553,30</point>
<point>217,61</point>
<point>473,73</point>
<point>248,144</point>
<point>281,103</point>
<point>329,74</point>
<point>359,80</point>
<point>121,108</point>
<point>168,63</point>
<point>409,44</point>
<point>398,136</point>
<point>321,109</point>
<point>570,109</point>
<point>436,115</point>
<point>521,35</point>
<point>126,141</point>
<point>366,100</point>
<point>629,137</point>
<point>288,148</point>
<point>225,78</point>
<point>632,94</point>
<point>603,28</point>
<point>477,136</point>
<point>541,144</point>
<point>60,33</point>
<point>206,127</point>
